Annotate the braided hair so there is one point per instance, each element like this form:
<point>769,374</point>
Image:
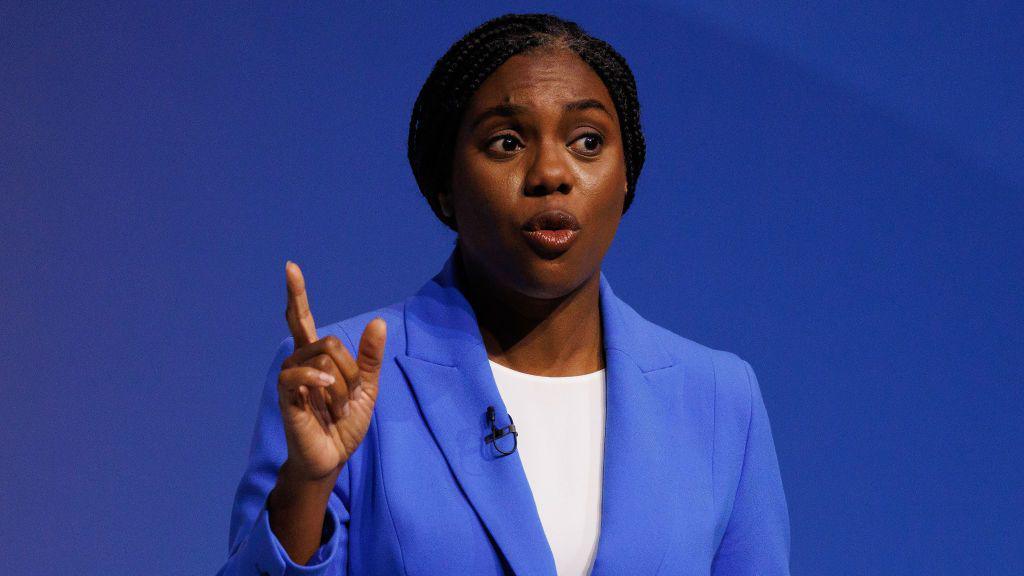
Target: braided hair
<point>464,67</point>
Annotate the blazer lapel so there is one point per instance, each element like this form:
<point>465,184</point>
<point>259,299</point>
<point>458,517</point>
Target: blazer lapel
<point>654,481</point>
<point>447,367</point>
<point>652,473</point>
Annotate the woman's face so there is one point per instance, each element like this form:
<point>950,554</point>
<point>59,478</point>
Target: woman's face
<point>541,133</point>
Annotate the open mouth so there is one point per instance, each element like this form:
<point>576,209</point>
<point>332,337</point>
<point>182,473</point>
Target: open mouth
<point>552,220</point>
<point>552,232</point>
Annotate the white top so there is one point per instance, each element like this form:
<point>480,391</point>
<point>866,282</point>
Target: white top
<point>560,421</point>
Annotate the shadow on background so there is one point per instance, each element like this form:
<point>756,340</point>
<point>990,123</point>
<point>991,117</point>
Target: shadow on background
<point>870,271</point>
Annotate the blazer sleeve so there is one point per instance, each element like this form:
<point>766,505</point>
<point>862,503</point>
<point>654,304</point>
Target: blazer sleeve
<point>757,538</point>
<point>254,549</point>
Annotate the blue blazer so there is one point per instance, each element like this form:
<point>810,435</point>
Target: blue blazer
<point>691,480</point>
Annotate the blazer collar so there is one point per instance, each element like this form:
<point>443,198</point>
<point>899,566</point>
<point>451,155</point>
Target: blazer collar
<point>446,364</point>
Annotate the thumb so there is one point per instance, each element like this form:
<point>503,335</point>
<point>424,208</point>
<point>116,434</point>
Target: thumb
<point>371,349</point>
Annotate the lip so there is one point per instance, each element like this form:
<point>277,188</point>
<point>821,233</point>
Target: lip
<point>552,220</point>
<point>552,232</point>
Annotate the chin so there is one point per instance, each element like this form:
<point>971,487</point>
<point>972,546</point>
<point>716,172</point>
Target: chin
<point>517,267</point>
<point>551,278</point>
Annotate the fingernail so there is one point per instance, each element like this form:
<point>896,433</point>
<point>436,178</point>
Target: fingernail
<point>346,409</point>
<point>326,378</point>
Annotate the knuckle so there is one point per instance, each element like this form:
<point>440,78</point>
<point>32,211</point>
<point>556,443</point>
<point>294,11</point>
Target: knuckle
<point>332,343</point>
<point>371,361</point>
<point>322,362</point>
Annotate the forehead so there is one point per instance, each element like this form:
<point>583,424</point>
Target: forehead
<point>543,77</point>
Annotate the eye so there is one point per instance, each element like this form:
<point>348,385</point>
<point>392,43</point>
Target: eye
<point>504,144</point>
<point>589,144</point>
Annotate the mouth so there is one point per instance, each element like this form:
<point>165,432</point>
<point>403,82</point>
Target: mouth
<point>551,233</point>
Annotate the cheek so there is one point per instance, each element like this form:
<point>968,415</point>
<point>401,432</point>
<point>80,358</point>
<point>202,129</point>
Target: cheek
<point>606,184</point>
<point>483,191</point>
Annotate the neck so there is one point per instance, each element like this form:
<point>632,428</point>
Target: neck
<point>543,336</point>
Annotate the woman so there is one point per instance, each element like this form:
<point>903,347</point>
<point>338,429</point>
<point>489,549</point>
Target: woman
<point>637,451</point>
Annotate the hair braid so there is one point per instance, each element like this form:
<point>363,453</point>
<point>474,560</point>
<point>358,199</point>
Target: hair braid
<point>458,74</point>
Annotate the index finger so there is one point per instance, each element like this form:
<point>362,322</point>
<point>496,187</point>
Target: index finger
<point>300,319</point>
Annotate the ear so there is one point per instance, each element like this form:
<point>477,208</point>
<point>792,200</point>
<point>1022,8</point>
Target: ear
<point>445,202</point>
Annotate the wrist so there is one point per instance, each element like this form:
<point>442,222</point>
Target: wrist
<point>297,508</point>
<point>292,484</point>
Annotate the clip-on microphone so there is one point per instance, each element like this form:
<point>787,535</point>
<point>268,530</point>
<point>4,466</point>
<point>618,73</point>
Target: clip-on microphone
<point>497,433</point>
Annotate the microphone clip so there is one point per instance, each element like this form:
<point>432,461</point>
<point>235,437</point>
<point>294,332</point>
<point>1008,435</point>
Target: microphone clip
<point>497,433</point>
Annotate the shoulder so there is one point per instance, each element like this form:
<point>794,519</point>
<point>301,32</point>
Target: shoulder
<point>729,376</point>
<point>350,329</point>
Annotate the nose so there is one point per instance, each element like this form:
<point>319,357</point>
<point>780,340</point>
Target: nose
<point>549,170</point>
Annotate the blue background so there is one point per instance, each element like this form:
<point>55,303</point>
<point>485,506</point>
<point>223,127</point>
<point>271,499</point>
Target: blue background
<point>834,191</point>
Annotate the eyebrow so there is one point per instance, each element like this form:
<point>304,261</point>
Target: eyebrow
<point>509,110</point>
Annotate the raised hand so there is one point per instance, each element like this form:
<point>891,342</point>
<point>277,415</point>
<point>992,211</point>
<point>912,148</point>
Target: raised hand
<point>326,397</point>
